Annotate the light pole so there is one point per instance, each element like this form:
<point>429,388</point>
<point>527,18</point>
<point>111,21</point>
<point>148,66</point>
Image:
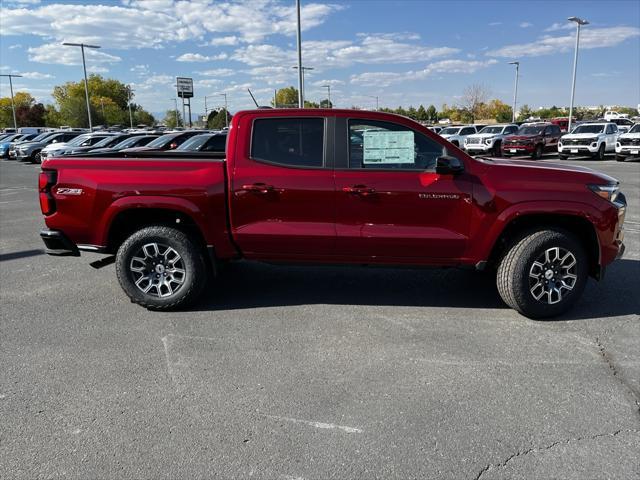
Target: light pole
<point>328,87</point>
<point>84,67</point>
<point>130,91</point>
<point>376,97</point>
<point>579,23</point>
<point>301,96</point>
<point>300,69</point>
<point>13,107</point>
<point>515,91</point>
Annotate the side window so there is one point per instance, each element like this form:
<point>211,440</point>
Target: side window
<point>510,130</point>
<point>385,145</point>
<point>217,143</point>
<point>468,131</point>
<point>555,130</point>
<point>295,142</point>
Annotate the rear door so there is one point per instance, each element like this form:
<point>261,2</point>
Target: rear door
<point>390,203</point>
<point>282,188</point>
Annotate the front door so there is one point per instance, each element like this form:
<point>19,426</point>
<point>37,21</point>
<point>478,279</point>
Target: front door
<point>390,203</point>
<point>282,190</point>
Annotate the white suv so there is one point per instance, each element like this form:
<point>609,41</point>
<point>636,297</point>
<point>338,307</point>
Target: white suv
<point>628,144</point>
<point>593,139</point>
<point>457,134</point>
<point>489,139</point>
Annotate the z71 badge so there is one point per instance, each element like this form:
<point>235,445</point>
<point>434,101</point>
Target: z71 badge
<point>69,191</point>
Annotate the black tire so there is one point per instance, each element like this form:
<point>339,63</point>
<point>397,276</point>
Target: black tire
<point>537,153</point>
<point>191,257</point>
<point>455,142</point>
<point>620,158</point>
<point>562,156</point>
<point>516,266</point>
<point>599,155</point>
<point>497,150</point>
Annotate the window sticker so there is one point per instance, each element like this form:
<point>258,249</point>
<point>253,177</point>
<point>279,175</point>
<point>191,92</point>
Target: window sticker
<point>387,147</point>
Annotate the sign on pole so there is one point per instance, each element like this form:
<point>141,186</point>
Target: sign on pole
<point>185,87</point>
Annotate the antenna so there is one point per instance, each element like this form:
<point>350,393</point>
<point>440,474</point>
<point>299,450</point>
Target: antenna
<point>253,98</point>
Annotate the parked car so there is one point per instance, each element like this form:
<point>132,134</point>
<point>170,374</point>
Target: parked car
<point>169,141</point>
<point>489,139</point>
<point>592,139</point>
<point>628,144</point>
<point>532,139</point>
<point>135,141</point>
<point>30,151</point>
<point>562,122</point>
<point>611,115</point>
<point>205,142</point>
<point>6,141</point>
<point>60,148</point>
<point>435,128</point>
<point>106,140</point>
<point>13,154</point>
<point>283,192</point>
<point>457,134</point>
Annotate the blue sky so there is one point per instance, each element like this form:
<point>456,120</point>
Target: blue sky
<point>405,53</point>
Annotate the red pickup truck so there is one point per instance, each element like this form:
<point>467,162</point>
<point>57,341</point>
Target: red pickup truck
<point>334,186</point>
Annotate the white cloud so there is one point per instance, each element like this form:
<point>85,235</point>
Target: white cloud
<point>141,70</point>
<point>198,57</point>
<point>589,38</point>
<point>333,83</point>
<point>13,47</point>
<point>385,79</point>
<point>495,24</point>
<point>526,25</point>
<point>230,40</point>
<point>217,72</point>
<point>36,75</point>
<point>560,26</point>
<point>57,54</point>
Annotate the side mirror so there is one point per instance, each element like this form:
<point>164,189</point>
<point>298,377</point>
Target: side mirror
<point>448,165</point>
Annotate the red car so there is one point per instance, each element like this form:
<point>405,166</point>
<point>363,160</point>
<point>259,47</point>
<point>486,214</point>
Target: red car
<point>334,186</point>
<point>532,140</point>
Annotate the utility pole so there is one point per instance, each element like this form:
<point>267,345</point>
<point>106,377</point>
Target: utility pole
<point>579,23</point>
<point>84,67</point>
<point>300,71</point>
<point>376,97</point>
<point>13,106</point>
<point>130,91</point>
<point>515,91</point>
<point>303,69</point>
<point>328,87</point>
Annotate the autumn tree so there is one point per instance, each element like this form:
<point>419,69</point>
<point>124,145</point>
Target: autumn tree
<point>286,97</point>
<point>473,99</point>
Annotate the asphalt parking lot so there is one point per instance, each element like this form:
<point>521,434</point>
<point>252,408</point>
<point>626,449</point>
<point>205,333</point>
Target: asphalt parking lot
<point>311,373</point>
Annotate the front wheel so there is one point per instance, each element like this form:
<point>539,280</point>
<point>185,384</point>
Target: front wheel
<point>543,274</point>
<point>161,268</point>
<point>562,156</point>
<point>537,153</point>
<point>600,153</point>
<point>497,150</point>
<point>620,158</point>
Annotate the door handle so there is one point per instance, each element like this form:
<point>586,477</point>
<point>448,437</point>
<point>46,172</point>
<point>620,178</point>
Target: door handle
<point>362,190</point>
<point>258,188</point>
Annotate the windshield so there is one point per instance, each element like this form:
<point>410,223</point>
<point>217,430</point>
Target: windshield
<point>161,141</point>
<point>42,136</point>
<point>635,128</point>
<point>127,142</point>
<point>77,141</point>
<point>450,131</point>
<point>530,130</point>
<point>194,143</point>
<point>107,141</point>
<point>588,129</point>
<point>491,130</point>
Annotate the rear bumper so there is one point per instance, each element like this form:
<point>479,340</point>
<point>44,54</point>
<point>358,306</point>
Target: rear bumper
<point>57,243</point>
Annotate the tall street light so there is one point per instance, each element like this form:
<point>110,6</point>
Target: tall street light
<point>13,107</point>
<point>130,91</point>
<point>301,92</point>
<point>84,67</point>
<point>300,70</point>
<point>328,87</point>
<point>515,91</point>
<point>579,23</point>
<point>376,97</point>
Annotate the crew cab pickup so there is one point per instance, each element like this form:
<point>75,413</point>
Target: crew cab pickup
<point>333,187</point>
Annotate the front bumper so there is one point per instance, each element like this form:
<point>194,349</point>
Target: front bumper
<point>478,147</point>
<point>517,149</point>
<point>57,243</point>
<point>578,149</point>
<point>628,151</point>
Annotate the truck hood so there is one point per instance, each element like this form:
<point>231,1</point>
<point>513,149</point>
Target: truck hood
<point>528,168</point>
<point>630,135</point>
<point>520,137</point>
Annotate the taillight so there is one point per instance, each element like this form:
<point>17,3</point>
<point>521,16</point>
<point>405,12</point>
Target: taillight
<point>46,180</point>
<point>173,145</point>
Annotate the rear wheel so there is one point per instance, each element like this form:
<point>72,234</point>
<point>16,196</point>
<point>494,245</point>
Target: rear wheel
<point>620,158</point>
<point>161,268</point>
<point>562,156</point>
<point>543,274</point>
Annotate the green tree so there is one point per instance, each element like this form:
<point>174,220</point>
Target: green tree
<point>23,102</point>
<point>52,117</point>
<point>170,119</point>
<point>286,97</point>
<point>218,122</point>
<point>326,103</point>
<point>142,117</point>
<point>421,114</point>
<point>524,113</point>
<point>432,114</point>
<point>499,111</point>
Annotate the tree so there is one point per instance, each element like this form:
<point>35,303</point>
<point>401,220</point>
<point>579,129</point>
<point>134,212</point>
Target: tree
<point>170,119</point>
<point>326,103</point>
<point>24,103</point>
<point>52,117</point>
<point>421,114</point>
<point>524,113</point>
<point>473,99</point>
<point>310,104</point>
<point>142,117</point>
<point>286,97</point>
<point>32,115</point>
<point>218,122</point>
<point>432,114</point>
<point>499,111</point>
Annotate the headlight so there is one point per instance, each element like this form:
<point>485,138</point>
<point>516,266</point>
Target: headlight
<point>608,192</point>
<point>560,144</point>
<point>488,141</point>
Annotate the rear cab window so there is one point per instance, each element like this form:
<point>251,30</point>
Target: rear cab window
<point>290,142</point>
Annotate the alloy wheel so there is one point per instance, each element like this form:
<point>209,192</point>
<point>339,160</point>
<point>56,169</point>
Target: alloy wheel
<point>158,270</point>
<point>553,275</point>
